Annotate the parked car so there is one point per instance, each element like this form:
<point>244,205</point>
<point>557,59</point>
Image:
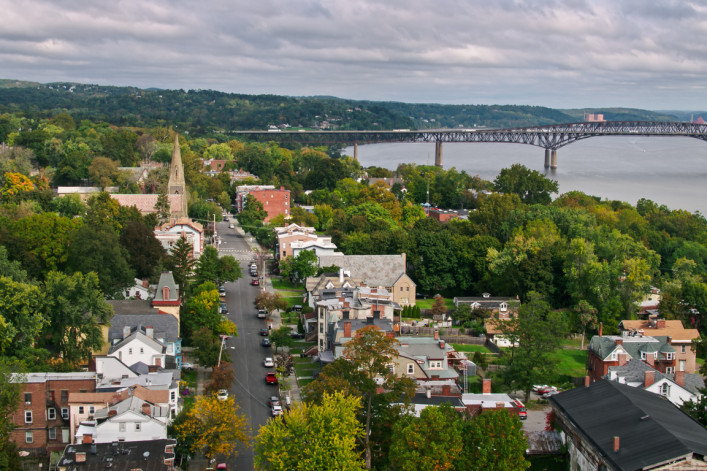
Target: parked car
<point>264,331</point>
<point>274,400</point>
<point>222,395</point>
<point>230,226</point>
<point>186,365</point>
<point>550,393</point>
<point>271,378</point>
<point>543,389</point>
<point>225,218</point>
<point>522,411</point>
<point>222,290</point>
<point>276,410</point>
<point>265,343</point>
<point>297,335</point>
<point>297,308</point>
<point>268,362</point>
<point>262,314</point>
<point>255,282</point>
<point>222,308</point>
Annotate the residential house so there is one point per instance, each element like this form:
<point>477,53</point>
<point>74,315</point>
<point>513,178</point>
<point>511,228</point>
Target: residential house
<point>614,350</point>
<point>680,338</point>
<point>339,298</point>
<point>442,215</point>
<point>141,348</point>
<point>139,290</point>
<point>292,239</point>
<point>500,308</point>
<point>677,388</point>
<point>479,403</point>
<point>170,232</point>
<point>154,381</point>
<point>167,295</point>
<point>343,331</point>
<point>274,201</point>
<point>83,406</point>
<point>426,360</point>
<point>377,271</point>
<point>42,420</point>
<point>160,327</point>
<point>612,426</point>
<point>149,455</point>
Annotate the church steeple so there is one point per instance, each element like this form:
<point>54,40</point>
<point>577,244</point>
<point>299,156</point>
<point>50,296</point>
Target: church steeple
<point>176,185</point>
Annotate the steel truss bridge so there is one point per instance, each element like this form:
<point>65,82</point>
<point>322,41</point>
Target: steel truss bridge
<point>550,137</point>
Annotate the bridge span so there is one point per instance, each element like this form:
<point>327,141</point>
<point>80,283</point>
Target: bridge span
<point>550,137</point>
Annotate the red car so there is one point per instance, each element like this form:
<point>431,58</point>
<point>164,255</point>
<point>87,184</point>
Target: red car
<point>270,378</point>
<point>255,282</point>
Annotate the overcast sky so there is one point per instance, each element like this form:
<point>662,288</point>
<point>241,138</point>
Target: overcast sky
<point>648,54</point>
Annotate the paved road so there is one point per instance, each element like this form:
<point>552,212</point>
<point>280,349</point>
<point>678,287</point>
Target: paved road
<point>249,388</point>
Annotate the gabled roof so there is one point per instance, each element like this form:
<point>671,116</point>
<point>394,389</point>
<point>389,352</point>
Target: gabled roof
<point>146,203</point>
<point>651,430</point>
<point>167,280</point>
<point>673,329</point>
<point>602,346</point>
<point>164,325</point>
<point>374,270</point>
<point>135,336</point>
<point>634,371</point>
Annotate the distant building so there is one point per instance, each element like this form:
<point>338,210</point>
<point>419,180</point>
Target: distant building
<point>170,232</point>
<point>274,201</point>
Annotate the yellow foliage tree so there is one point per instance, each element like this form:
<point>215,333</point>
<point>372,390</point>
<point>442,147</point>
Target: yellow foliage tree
<point>214,427</point>
<point>15,183</point>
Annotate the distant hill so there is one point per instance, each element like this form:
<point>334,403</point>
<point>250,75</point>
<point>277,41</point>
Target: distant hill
<point>204,112</point>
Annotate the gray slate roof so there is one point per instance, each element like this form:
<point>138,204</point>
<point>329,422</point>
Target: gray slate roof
<point>604,345</point>
<point>651,430</point>
<point>166,279</point>
<point>374,270</point>
<point>165,326</point>
<point>131,306</point>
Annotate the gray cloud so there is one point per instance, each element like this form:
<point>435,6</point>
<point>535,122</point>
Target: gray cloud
<point>570,53</point>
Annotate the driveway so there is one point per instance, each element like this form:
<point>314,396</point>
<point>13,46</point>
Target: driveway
<point>536,419</point>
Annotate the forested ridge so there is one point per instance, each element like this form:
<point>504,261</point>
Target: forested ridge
<point>203,112</point>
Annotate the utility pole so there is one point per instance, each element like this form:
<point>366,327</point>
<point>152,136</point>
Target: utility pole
<point>223,340</point>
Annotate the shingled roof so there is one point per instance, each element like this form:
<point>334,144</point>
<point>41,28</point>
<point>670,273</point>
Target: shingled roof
<point>651,430</point>
<point>374,270</point>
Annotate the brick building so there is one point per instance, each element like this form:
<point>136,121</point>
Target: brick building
<point>43,416</point>
<point>274,201</point>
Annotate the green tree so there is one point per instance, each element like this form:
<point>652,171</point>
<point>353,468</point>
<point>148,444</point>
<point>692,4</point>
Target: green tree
<point>211,267</point>
<point>201,310</point>
<point>530,185</point>
<point>181,262</point>
<point>207,347</point>
<point>162,206</point>
<point>312,437</point>
<point>69,205</point>
<point>281,338</point>
<point>493,441</point>
<point>697,409</point>
<point>21,316</point>
<point>77,310</point>
<point>538,332</point>
<point>145,252</point>
<point>299,268</point>
<point>587,317</point>
<point>412,447</point>
<point>9,402</point>
<point>252,215</point>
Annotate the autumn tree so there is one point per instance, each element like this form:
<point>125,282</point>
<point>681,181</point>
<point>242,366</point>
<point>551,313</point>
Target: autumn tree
<point>222,377</point>
<point>77,309</point>
<point>270,301</point>
<point>15,185</point>
<point>312,437</point>
<point>438,306</point>
<point>214,427</point>
<point>103,171</point>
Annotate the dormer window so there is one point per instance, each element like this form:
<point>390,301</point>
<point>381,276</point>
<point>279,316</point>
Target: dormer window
<point>503,307</point>
<point>436,364</point>
<point>669,356</point>
<point>643,355</point>
<point>165,292</point>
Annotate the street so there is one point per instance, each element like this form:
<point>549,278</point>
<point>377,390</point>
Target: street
<point>249,388</point>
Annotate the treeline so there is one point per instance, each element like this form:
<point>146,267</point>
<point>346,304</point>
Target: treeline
<point>204,112</point>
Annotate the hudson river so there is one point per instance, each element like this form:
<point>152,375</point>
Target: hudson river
<point>668,170</point>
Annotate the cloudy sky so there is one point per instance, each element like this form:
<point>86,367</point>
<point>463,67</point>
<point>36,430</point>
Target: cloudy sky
<point>648,54</point>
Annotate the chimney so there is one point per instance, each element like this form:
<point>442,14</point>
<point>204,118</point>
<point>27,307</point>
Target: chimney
<point>87,439</point>
<point>648,378</point>
<point>146,408</point>
<point>80,457</point>
<point>660,323</point>
<point>619,341</point>
<point>446,390</point>
<point>126,331</point>
<point>150,331</point>
<point>436,334</point>
<point>112,413</point>
<point>374,290</point>
<point>650,359</point>
<point>616,444</point>
<point>376,314</point>
<point>347,304</point>
<point>622,359</point>
<point>404,256</point>
<point>347,328</point>
<point>369,320</point>
<point>587,381</point>
<point>486,386</point>
<point>601,328</point>
<point>680,378</point>
<point>341,275</point>
<point>441,344</point>
<point>152,368</point>
<point>428,392</point>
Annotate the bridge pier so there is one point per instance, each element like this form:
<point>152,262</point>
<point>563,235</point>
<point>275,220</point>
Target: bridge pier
<point>547,158</point>
<point>355,156</point>
<point>553,161</point>
<point>438,154</point>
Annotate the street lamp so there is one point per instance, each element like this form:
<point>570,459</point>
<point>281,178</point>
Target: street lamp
<point>223,340</point>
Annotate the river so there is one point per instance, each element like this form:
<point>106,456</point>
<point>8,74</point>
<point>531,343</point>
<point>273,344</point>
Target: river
<point>668,170</point>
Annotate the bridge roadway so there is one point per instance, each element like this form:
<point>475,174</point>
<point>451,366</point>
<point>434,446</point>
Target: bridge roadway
<point>550,137</point>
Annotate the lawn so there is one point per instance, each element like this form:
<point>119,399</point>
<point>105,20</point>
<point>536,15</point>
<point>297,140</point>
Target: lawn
<point>571,362</point>
<point>462,347</point>
<point>278,283</point>
<point>427,303</point>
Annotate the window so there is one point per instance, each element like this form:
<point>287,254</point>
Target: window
<point>664,389</point>
<point>643,355</point>
<point>51,395</point>
<point>51,413</point>
<point>683,348</point>
<point>130,351</point>
<point>28,416</point>
<point>401,288</point>
<point>613,356</point>
<point>411,368</point>
<point>142,350</point>
<point>29,437</point>
<point>121,427</point>
<point>52,433</point>
<point>407,288</point>
<point>91,409</point>
<point>64,396</point>
<point>65,413</point>
<point>28,398</point>
<point>172,395</point>
<point>321,327</point>
<point>436,365</point>
<point>81,409</point>
<point>137,426</point>
<point>503,307</point>
<point>670,356</point>
<point>669,370</point>
<point>681,365</point>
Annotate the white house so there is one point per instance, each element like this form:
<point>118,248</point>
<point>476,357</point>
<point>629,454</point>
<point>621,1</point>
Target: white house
<point>132,419</point>
<point>163,380</point>
<point>169,233</point>
<point>139,348</point>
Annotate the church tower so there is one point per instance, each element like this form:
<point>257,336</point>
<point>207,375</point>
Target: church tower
<point>176,185</point>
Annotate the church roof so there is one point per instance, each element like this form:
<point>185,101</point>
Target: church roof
<point>146,203</point>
